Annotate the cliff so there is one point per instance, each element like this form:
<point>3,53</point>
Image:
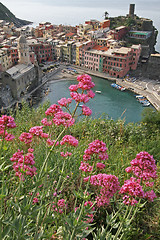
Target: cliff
<point>5,14</point>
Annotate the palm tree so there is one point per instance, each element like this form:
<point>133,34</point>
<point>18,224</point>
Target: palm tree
<point>106,14</point>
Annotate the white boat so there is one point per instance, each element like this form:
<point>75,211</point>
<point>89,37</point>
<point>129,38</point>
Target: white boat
<point>146,104</point>
<point>139,96</point>
<point>80,105</point>
<point>98,92</point>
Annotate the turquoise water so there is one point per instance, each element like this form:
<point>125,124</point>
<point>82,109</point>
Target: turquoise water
<point>112,102</point>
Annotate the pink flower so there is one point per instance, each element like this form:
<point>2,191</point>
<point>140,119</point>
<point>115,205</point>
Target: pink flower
<point>128,169</point>
<point>86,167</point>
<point>86,110</point>
<point>70,140</point>
<point>66,154</point>
<point>64,102</point>
<point>36,131</point>
<point>53,109</point>
<point>131,188</point>
<point>73,88</point>
<point>143,166</point>
<point>35,200</point>
<point>45,122</point>
<point>7,121</point>
<point>100,165</point>
<point>96,147</point>
<point>108,185</point>
<point>26,137</point>
<point>150,195</point>
<point>23,164</point>
<point>63,118</point>
<point>9,137</point>
<point>90,94</point>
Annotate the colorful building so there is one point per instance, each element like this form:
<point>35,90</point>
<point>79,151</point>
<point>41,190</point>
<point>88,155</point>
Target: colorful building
<point>119,32</point>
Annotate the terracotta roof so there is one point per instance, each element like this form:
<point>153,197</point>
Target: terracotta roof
<point>70,34</point>
<point>98,47</point>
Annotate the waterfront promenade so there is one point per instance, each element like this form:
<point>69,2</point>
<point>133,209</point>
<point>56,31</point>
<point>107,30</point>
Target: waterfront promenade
<point>144,87</point>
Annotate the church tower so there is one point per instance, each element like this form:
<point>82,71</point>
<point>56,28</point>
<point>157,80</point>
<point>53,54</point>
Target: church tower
<point>23,51</point>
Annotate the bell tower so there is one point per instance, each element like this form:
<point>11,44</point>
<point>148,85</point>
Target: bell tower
<point>23,51</point>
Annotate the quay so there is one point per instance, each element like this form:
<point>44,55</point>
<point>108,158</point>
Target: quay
<point>148,90</point>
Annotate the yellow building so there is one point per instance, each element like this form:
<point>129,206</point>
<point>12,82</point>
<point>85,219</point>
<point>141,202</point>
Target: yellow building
<point>78,45</point>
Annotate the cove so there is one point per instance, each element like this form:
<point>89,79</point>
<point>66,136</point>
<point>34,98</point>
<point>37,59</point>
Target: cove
<point>111,102</point>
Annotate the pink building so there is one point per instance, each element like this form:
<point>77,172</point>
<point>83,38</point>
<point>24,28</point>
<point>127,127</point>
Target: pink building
<point>118,62</point>
<point>119,32</point>
<point>85,46</point>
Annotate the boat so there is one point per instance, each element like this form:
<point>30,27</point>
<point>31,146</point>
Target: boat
<point>139,96</point>
<point>146,104</point>
<point>80,105</point>
<point>114,85</point>
<point>98,92</point>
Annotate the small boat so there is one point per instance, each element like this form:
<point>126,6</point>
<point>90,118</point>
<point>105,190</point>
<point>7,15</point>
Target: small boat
<point>80,105</point>
<point>146,104</point>
<point>114,85</point>
<point>98,92</point>
<point>139,96</point>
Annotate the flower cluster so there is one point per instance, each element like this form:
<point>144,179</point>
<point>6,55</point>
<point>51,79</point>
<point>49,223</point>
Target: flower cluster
<point>85,84</point>
<point>64,102</point>
<point>108,185</point>
<point>143,166</point>
<point>96,148</point>
<point>23,164</point>
<point>131,188</point>
<point>69,140</point>
<point>6,122</point>
<point>26,137</point>
<point>60,206</point>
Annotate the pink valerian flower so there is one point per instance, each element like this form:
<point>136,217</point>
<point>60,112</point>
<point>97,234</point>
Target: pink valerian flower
<point>9,137</point>
<point>150,195</point>
<point>63,118</point>
<point>86,110</point>
<point>60,206</point>
<point>80,97</point>
<point>73,88</point>
<point>36,131</point>
<point>90,216</point>
<point>143,166</point>
<point>45,122</point>
<point>64,102</point>
<point>90,94</point>
<point>52,142</point>
<point>108,185</point>
<point>66,154</point>
<point>132,189</point>
<point>7,121</point>
<point>96,147</point>
<point>100,165</point>
<point>23,164</point>
<point>69,140</point>
<point>85,82</point>
<point>35,200</point>
<point>55,108</point>
<point>85,167</point>
<point>26,137</point>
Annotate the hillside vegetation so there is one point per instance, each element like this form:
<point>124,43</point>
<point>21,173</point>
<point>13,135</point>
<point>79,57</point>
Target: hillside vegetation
<point>61,178</point>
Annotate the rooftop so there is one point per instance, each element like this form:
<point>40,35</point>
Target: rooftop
<point>19,70</point>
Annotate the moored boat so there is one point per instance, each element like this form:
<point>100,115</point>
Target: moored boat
<point>114,85</point>
<point>98,92</point>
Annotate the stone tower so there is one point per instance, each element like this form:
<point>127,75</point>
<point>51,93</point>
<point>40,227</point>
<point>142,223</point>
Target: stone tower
<point>23,51</point>
<point>131,10</point>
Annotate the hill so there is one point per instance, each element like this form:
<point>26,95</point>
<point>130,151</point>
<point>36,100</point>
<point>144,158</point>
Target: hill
<point>5,14</point>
